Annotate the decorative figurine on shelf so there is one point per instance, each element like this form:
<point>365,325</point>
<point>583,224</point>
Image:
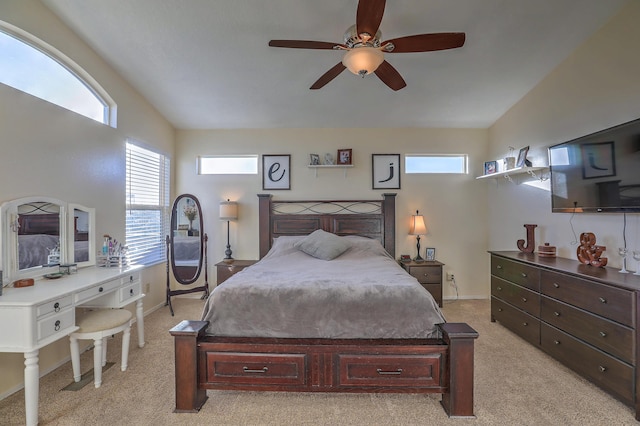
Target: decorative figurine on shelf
<point>531,240</point>
<point>589,253</point>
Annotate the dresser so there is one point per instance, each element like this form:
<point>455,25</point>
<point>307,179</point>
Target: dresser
<point>45,312</point>
<point>583,316</point>
<point>429,274</point>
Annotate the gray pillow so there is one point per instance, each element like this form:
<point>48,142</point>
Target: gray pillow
<point>323,245</point>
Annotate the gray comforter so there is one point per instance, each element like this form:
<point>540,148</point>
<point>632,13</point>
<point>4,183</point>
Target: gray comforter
<point>363,293</point>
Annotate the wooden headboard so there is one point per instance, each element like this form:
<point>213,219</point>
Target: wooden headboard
<point>368,218</point>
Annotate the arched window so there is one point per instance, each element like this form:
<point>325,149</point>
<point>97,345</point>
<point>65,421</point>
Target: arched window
<point>34,67</point>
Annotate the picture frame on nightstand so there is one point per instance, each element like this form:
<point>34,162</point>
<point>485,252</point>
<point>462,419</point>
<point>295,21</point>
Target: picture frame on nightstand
<point>430,253</point>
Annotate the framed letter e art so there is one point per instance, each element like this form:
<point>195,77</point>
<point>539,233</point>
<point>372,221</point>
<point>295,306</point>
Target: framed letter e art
<point>276,171</point>
<point>386,171</point>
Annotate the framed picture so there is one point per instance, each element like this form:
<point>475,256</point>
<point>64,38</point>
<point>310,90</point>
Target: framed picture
<point>314,160</point>
<point>598,160</point>
<point>386,171</point>
<point>344,156</point>
<point>430,253</point>
<point>276,172</point>
<point>490,167</point>
<point>522,157</point>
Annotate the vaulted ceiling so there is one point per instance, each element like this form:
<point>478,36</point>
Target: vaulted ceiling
<point>206,64</point>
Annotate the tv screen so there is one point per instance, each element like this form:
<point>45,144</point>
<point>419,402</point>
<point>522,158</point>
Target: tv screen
<point>598,172</point>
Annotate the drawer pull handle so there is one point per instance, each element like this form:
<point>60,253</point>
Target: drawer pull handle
<point>557,342</point>
<point>556,314</point>
<point>499,309</point>
<point>248,370</point>
<point>131,292</point>
<point>524,275</point>
<point>130,278</point>
<point>57,325</point>
<point>389,373</point>
<point>100,290</point>
<point>524,299</point>
<point>425,274</point>
<point>56,307</point>
<point>603,300</point>
<point>556,285</point>
<point>603,334</point>
<point>525,323</point>
<point>602,369</point>
<point>498,266</point>
<point>499,288</point>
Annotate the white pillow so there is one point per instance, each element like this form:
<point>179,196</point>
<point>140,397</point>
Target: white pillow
<point>323,245</point>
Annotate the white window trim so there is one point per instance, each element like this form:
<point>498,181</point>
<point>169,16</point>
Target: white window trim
<point>465,158</point>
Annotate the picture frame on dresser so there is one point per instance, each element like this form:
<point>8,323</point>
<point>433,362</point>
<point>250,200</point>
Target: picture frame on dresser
<point>430,253</point>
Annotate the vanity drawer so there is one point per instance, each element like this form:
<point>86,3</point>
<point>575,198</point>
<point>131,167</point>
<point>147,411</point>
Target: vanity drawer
<point>602,369</point>
<point>54,324</point>
<point>255,368</point>
<point>130,278</point>
<point>96,291</point>
<point>516,272</point>
<point>130,291</point>
<point>607,301</point>
<point>521,323</point>
<point>427,274</point>
<point>611,337</point>
<point>515,295</point>
<point>55,305</point>
<point>389,370</point>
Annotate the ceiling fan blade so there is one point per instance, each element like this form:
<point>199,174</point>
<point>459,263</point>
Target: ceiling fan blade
<point>427,42</point>
<point>304,44</point>
<point>369,16</point>
<point>328,76</point>
<point>390,76</point>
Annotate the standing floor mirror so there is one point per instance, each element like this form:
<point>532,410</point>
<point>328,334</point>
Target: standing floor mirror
<point>186,247</point>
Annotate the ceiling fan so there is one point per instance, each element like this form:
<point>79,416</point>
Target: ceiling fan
<point>364,52</point>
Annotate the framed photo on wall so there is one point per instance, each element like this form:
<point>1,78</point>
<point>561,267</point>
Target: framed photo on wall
<point>276,171</point>
<point>385,171</point>
<point>598,160</point>
<point>344,156</point>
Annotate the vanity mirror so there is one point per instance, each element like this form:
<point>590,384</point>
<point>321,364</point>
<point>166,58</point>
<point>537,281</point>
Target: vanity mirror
<point>186,247</point>
<point>39,233</point>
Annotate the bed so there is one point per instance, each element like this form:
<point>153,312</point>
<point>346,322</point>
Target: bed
<point>385,352</point>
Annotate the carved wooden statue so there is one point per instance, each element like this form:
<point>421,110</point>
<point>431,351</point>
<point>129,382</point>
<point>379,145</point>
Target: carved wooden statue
<point>531,240</point>
<point>589,252</point>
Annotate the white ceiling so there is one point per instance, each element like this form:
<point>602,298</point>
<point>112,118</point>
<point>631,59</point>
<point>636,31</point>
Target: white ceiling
<point>205,64</point>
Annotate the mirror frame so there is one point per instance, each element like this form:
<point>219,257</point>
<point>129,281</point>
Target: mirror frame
<point>9,238</point>
<point>174,226</point>
<point>71,238</point>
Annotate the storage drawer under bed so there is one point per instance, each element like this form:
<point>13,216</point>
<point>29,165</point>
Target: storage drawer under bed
<point>256,368</point>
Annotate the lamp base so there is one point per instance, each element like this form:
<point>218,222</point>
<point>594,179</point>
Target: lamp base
<point>418,259</point>
<point>228,261</point>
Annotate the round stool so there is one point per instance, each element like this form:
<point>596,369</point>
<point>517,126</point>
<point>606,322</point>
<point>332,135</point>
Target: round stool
<point>98,326</point>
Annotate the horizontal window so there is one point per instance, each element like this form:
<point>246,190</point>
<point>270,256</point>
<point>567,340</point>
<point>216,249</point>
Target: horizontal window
<point>228,165</point>
<point>441,163</point>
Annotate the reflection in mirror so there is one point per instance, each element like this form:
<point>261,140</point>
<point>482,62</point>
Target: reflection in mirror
<point>82,233</point>
<point>38,234</point>
<point>186,246</point>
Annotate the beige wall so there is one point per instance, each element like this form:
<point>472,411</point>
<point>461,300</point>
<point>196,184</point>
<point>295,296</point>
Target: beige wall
<point>454,206</point>
<point>595,88</point>
<point>49,151</point>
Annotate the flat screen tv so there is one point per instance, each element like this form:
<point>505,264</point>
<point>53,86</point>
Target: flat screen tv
<point>599,172</point>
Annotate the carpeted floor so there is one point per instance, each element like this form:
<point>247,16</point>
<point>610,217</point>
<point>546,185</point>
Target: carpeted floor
<point>515,384</point>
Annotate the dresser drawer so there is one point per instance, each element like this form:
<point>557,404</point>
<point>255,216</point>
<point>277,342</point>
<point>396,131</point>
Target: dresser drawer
<point>607,301</point>
<point>256,368</point>
<point>96,291</point>
<point>130,291</point>
<point>55,305</point>
<point>427,274</point>
<point>602,369</point>
<point>53,324</point>
<point>130,278</point>
<point>521,323</point>
<point>389,370</point>
<point>611,337</point>
<point>516,272</point>
<point>515,295</point>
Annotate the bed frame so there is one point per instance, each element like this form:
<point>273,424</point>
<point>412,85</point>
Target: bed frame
<point>442,366</point>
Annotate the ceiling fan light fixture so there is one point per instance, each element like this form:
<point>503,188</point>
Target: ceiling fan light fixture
<point>363,60</point>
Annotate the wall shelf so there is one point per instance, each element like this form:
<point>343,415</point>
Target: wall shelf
<point>330,166</point>
<point>536,172</point>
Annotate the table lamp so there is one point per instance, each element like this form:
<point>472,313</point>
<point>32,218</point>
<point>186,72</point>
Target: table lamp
<point>228,212</point>
<point>417,228</point>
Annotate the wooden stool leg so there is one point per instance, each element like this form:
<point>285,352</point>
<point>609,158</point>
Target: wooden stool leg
<point>126,338</point>
<point>75,359</point>
<point>97,362</point>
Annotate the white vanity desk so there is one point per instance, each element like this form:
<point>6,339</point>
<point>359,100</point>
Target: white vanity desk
<point>36,316</point>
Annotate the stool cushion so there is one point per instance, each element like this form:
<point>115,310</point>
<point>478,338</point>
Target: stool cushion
<point>102,319</point>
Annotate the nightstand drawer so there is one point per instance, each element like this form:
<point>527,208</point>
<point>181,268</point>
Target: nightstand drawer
<point>224,270</point>
<point>427,274</point>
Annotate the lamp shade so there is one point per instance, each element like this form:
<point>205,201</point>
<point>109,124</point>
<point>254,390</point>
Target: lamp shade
<point>417,225</point>
<point>228,210</point>
<point>363,60</point>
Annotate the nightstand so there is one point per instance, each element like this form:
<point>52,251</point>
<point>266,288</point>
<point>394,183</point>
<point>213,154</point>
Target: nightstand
<point>225,270</point>
<point>429,274</point>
